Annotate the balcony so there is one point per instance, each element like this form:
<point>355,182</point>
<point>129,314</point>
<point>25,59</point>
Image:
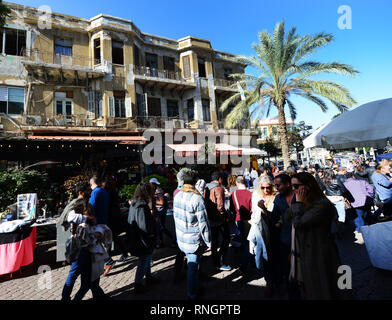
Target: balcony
<point>143,122</point>
<point>224,85</point>
<point>74,120</point>
<point>48,68</point>
<point>160,78</point>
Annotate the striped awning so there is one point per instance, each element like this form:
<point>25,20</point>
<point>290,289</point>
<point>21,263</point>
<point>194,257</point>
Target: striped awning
<point>118,139</point>
<point>186,149</point>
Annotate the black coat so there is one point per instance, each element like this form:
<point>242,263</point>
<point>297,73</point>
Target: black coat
<point>141,226</point>
<point>317,255</point>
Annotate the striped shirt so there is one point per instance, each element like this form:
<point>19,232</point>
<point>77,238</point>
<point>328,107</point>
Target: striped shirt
<point>190,218</point>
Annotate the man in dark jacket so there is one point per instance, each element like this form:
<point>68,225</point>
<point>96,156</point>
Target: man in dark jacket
<point>215,205</point>
<point>283,201</point>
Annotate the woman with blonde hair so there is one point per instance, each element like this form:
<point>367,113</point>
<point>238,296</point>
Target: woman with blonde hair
<point>382,182</point>
<point>260,234</point>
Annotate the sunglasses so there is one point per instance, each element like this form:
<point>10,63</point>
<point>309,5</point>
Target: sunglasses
<point>262,188</point>
<point>296,186</point>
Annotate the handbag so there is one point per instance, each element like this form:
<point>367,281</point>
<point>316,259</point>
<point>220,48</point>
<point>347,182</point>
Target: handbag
<point>72,249</point>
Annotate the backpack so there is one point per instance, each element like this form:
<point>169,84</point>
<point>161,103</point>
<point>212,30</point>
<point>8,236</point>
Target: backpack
<point>72,249</point>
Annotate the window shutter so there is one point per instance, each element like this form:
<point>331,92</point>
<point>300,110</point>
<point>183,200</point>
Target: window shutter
<point>128,107</point>
<point>16,95</point>
<point>91,104</point>
<point>3,94</point>
<point>186,66</point>
<point>111,107</point>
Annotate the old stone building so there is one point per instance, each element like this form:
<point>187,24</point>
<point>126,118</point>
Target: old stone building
<point>66,76</point>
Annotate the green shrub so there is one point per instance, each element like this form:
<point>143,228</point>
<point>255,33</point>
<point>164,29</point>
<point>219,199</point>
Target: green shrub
<point>164,182</point>
<point>126,192</point>
<point>17,181</point>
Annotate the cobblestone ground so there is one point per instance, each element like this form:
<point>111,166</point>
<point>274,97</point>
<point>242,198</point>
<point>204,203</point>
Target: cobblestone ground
<point>26,284</point>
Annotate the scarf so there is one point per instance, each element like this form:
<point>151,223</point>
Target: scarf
<point>190,188</point>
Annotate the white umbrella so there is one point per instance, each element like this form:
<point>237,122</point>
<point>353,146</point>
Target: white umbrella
<point>368,125</point>
<point>41,163</point>
<point>314,140</point>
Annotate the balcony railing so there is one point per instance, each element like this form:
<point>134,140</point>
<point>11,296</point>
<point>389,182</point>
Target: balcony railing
<point>223,82</point>
<point>42,56</point>
<point>157,73</point>
<point>160,122</point>
<point>74,120</point>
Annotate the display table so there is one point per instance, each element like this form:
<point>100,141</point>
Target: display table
<point>17,249</point>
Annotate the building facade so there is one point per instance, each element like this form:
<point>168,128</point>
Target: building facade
<point>103,76</point>
<point>268,128</point>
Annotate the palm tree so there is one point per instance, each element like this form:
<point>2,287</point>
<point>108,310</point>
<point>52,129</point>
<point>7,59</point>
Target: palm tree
<point>284,70</point>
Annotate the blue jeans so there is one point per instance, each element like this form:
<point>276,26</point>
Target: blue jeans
<point>247,182</point>
<point>359,220</point>
<point>243,227</point>
<point>341,209</point>
<point>73,274</point>
<point>143,268</point>
<point>193,274</point>
<point>84,262</point>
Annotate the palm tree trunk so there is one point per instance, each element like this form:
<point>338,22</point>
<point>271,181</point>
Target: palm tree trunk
<point>282,129</point>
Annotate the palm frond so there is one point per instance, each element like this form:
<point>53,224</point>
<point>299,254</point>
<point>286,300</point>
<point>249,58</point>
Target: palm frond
<point>293,111</point>
<point>330,90</point>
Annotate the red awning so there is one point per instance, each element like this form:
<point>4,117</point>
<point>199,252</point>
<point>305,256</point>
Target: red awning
<point>186,150</point>
<point>119,139</point>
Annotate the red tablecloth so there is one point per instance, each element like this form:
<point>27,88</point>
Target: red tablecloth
<point>20,253</point>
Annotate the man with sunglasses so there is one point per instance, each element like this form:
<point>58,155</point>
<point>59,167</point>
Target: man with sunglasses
<point>283,200</point>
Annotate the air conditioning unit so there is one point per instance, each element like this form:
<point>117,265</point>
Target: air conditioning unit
<point>178,124</point>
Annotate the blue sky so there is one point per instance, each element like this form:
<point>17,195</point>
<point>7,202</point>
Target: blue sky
<point>233,26</point>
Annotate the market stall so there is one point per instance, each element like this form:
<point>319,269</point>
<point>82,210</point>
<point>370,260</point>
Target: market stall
<point>378,241</point>
<point>17,244</point>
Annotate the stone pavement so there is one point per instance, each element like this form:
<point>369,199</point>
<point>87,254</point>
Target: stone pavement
<point>28,284</point>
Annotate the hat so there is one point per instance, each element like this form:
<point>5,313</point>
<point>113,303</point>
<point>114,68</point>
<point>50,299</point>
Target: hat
<point>154,180</point>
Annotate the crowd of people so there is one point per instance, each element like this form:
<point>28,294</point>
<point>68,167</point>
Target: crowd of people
<point>286,223</point>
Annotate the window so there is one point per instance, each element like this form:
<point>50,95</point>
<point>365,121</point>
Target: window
<point>11,100</point>
<point>117,52</point>
<point>97,51</point>
<point>265,132</point>
<point>119,104</point>
<point>62,51</point>
<point>151,61</point>
<point>186,66</point>
<point>202,67</point>
<point>63,47</point>
<point>227,73</point>
<point>154,107</point>
<point>141,105</point>
<point>206,109</point>
<point>172,108</point>
<point>191,110</point>
<point>98,104</point>
<point>15,41</point>
<point>168,64</point>
<point>136,56</point>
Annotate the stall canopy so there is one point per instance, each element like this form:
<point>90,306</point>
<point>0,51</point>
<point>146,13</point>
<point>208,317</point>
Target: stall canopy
<point>186,149</point>
<point>314,140</point>
<point>368,125</point>
<point>253,152</point>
